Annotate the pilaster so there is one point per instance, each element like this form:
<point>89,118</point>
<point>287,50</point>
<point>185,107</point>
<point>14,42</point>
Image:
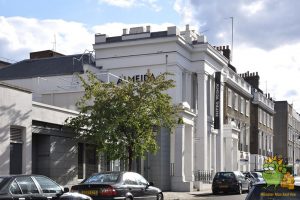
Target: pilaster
<point>201,127</point>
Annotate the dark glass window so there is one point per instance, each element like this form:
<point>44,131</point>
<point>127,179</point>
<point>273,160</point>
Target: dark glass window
<point>14,188</point>
<point>27,185</point>
<point>141,180</point>
<point>129,179</point>
<point>47,185</point>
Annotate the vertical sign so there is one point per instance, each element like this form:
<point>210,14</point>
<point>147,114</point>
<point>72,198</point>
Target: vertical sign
<point>217,100</point>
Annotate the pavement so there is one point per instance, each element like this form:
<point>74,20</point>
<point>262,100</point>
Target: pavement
<point>185,195</point>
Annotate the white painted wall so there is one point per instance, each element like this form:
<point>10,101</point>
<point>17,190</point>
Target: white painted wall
<point>15,110</point>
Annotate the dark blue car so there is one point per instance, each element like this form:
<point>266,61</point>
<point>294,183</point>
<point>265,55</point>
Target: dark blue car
<point>118,185</point>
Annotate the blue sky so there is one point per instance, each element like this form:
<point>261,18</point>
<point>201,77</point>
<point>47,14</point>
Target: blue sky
<point>266,32</point>
<point>89,12</point>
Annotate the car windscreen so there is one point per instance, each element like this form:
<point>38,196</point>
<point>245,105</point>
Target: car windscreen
<point>264,192</point>
<point>103,178</point>
<point>225,175</point>
<point>257,175</point>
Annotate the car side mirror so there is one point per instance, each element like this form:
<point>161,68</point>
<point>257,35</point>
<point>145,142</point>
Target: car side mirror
<point>66,189</point>
<point>151,184</point>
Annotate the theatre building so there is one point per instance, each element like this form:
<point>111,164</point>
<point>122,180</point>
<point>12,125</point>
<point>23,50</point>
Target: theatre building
<point>213,136</point>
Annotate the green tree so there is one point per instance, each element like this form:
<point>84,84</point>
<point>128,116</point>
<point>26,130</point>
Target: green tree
<point>119,118</point>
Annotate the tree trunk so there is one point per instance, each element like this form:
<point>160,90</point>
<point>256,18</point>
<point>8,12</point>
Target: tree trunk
<point>129,159</point>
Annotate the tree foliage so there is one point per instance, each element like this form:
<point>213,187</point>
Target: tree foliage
<point>120,119</point>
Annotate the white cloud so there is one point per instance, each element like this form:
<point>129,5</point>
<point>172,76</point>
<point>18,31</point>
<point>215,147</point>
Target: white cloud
<point>133,3</point>
<point>187,12</point>
<point>279,69</point>
<point>119,3</point>
<point>115,29</point>
<point>253,7</point>
<point>19,36</point>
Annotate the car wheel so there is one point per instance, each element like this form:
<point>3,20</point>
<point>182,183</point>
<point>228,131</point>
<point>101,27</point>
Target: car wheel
<point>160,196</point>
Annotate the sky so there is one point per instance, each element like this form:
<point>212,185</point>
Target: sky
<point>266,33</point>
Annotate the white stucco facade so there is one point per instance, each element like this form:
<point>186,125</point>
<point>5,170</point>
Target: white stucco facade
<point>195,145</point>
<point>18,112</point>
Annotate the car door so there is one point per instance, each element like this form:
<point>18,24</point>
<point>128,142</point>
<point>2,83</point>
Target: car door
<point>49,188</point>
<point>29,188</point>
<point>131,184</point>
<point>146,192</point>
<point>16,192</point>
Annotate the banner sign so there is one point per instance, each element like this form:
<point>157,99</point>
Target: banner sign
<point>217,100</point>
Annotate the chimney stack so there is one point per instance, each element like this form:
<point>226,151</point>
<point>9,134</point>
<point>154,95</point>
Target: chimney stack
<point>148,28</point>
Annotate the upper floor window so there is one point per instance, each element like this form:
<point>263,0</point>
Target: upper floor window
<point>260,115</point>
<point>247,108</point>
<point>236,101</point>
<point>229,98</point>
<point>242,105</point>
<point>271,126</point>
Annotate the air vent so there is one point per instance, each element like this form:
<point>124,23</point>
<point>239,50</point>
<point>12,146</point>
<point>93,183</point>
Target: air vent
<point>16,135</point>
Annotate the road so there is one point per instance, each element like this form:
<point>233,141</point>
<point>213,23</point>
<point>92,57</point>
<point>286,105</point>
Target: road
<point>220,197</point>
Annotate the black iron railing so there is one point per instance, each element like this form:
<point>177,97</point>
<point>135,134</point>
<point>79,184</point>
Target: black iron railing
<point>204,176</point>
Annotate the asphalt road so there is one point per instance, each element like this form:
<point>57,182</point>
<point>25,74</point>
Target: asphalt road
<point>220,196</point>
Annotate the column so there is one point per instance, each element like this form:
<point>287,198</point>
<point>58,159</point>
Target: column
<point>188,88</point>
<point>214,153</point>
<point>189,154</point>
<point>229,154</point>
<point>178,180</point>
<point>201,127</point>
<point>236,156</point>
<point>210,109</point>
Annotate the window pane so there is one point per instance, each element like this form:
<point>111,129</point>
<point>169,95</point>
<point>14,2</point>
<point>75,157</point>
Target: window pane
<point>47,185</point>
<point>141,180</point>
<point>103,178</point>
<point>27,185</point>
<point>14,188</point>
<point>129,179</point>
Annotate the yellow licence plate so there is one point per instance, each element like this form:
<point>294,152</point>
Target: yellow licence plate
<point>90,192</point>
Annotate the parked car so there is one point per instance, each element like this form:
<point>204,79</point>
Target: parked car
<point>254,177</point>
<point>25,187</point>
<point>118,185</point>
<point>262,191</point>
<point>230,182</point>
